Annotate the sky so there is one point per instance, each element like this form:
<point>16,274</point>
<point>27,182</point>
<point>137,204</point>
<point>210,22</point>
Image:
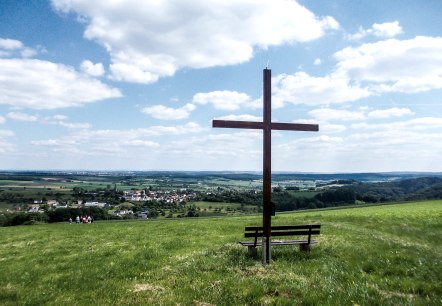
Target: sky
<point>135,85</point>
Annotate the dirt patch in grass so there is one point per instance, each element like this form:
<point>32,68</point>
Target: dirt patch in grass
<point>148,287</point>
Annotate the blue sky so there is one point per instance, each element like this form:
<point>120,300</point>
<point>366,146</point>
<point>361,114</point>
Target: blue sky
<point>134,85</point>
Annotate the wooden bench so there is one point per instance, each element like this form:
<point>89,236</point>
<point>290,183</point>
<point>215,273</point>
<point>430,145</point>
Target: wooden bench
<point>282,230</point>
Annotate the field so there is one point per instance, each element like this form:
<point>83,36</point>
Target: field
<point>380,255</point>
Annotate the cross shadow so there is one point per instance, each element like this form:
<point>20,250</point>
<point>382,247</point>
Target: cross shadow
<point>238,255</point>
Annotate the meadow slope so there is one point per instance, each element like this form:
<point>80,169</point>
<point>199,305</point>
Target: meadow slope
<point>380,255</point>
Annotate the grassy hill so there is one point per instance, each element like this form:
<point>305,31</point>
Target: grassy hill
<point>383,255</point>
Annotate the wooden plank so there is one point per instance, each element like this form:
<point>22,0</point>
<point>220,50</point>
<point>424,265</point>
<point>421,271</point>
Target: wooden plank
<point>238,124</point>
<point>295,233</point>
<point>267,163</point>
<point>260,125</point>
<point>295,127</point>
<point>279,242</point>
<point>283,233</point>
<point>282,227</point>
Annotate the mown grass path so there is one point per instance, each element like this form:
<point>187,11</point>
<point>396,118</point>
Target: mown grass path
<point>383,255</point>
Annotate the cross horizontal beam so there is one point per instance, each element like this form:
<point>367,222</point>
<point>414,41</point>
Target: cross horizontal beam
<point>260,125</point>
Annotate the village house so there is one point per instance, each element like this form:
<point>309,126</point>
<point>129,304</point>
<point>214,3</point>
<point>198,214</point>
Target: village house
<point>143,215</point>
<point>120,213</point>
<point>52,202</point>
<point>33,208</point>
<point>94,204</point>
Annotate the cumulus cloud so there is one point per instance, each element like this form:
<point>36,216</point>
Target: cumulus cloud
<point>22,116</point>
<point>71,125</point>
<point>151,39</point>
<point>37,84</point>
<point>114,141</point>
<point>391,112</point>
<point>6,146</point>
<point>10,44</point>
<point>60,117</point>
<point>92,69</point>
<point>224,100</point>
<point>301,88</point>
<point>405,66</point>
<point>2,119</point>
<point>244,117</point>
<point>332,128</point>
<point>362,114</point>
<point>416,124</point>
<point>6,133</point>
<point>387,29</point>
<point>368,146</point>
<point>409,66</point>
<point>328,114</point>
<point>11,47</point>
<point>381,30</point>
<point>168,113</point>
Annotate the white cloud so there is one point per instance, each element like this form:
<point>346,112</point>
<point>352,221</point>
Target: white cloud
<point>60,117</point>
<point>406,66</point>
<point>92,69</point>
<point>330,23</point>
<point>387,29</point>
<point>332,128</point>
<point>415,145</point>
<point>142,143</point>
<point>224,100</point>
<point>10,47</point>
<point>317,62</point>
<point>301,88</point>
<point>233,147</point>
<point>362,114</point>
<point>2,120</point>
<point>37,84</point>
<point>391,112</point>
<point>328,114</point>
<point>10,44</point>
<point>151,39</point>
<point>22,116</point>
<point>417,124</point>
<point>382,30</point>
<point>5,146</point>
<point>244,117</point>
<point>392,65</point>
<point>110,142</point>
<point>75,126</point>
<point>59,120</point>
<point>168,113</point>
<point>6,133</point>
<point>28,52</point>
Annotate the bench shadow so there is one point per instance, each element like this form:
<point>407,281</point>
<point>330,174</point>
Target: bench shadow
<point>238,255</point>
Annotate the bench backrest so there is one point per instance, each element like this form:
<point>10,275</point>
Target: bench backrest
<point>284,230</point>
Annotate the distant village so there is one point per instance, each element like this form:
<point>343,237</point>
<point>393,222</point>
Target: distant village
<point>166,196</point>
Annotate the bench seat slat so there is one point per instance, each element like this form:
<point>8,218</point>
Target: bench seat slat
<point>279,242</point>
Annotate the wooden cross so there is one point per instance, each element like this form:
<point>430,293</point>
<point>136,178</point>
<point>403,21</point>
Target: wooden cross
<point>267,126</point>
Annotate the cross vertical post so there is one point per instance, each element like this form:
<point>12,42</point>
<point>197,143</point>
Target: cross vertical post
<point>267,165</point>
<point>267,126</point>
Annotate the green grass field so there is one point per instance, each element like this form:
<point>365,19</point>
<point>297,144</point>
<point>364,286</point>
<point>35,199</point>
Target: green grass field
<point>381,255</point>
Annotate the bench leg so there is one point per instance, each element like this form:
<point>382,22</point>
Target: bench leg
<point>304,247</point>
<point>252,251</point>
